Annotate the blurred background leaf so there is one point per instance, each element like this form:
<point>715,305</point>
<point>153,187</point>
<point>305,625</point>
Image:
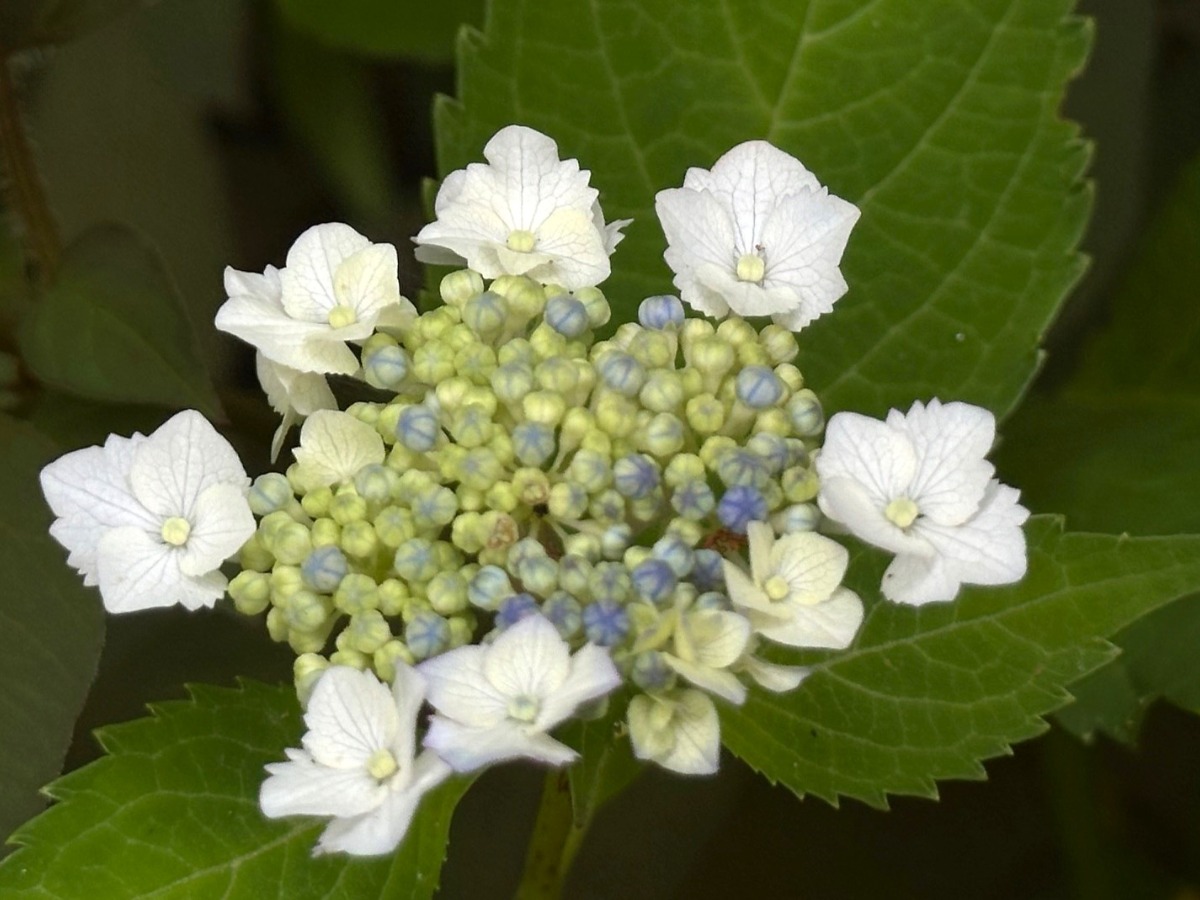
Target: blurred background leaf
<point>33,23</point>
<point>384,28</point>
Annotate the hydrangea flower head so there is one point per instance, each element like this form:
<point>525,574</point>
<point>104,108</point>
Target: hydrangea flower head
<point>758,235</point>
<point>918,485</point>
<point>337,286</point>
<point>358,763</point>
<point>151,519</point>
<point>498,702</point>
<point>526,212</point>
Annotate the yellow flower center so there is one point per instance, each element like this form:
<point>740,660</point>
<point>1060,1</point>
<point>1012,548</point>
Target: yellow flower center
<point>341,316</point>
<point>175,531</point>
<point>523,709</point>
<point>750,267</point>
<point>381,764</point>
<point>901,512</point>
<point>521,241</point>
<point>776,588</point>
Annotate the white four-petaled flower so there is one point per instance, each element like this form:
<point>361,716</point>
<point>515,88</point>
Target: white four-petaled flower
<point>758,235</point>
<point>359,762</point>
<point>524,213</point>
<point>337,287</point>
<point>677,729</point>
<point>498,702</point>
<point>793,594</point>
<point>334,447</point>
<point>151,519</point>
<point>919,486</point>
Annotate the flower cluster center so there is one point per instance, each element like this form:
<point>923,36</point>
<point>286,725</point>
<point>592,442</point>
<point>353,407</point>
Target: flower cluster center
<point>176,531</point>
<point>902,512</point>
<point>382,765</point>
<point>521,241</point>
<point>751,267</point>
<point>523,708</point>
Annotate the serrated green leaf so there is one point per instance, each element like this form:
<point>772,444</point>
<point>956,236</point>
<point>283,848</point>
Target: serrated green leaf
<point>51,630</point>
<point>939,119</point>
<point>929,693</point>
<point>112,327</point>
<point>172,812</point>
<point>384,28</point>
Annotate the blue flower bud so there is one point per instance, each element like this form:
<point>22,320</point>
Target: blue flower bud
<point>324,569</point>
<point>271,492</point>
<point>427,634</point>
<point>635,475</point>
<point>771,449</point>
<point>417,428</point>
<point>693,500</point>
<point>654,580</point>
<point>675,552</point>
<point>486,313</point>
<point>564,612</point>
<point>522,551</point>
<point>386,368</point>
<point>798,517</point>
<point>515,608</point>
<point>533,443</point>
<point>741,467</point>
<point>539,575</point>
<point>660,312</point>
<point>650,672</point>
<point>605,623</point>
<point>804,409</point>
<point>567,316</point>
<point>758,387</point>
<point>708,573</point>
<point>622,373</point>
<point>374,483</point>
<point>489,586</point>
<point>435,508</point>
<point>414,560</point>
<point>739,506</point>
<point>512,381</point>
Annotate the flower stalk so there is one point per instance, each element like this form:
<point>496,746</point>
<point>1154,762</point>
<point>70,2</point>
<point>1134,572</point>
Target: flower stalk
<point>555,840</point>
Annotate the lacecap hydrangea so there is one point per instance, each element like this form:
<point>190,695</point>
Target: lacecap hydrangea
<point>542,513</point>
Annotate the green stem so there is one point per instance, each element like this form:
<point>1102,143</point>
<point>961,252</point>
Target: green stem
<point>22,186</point>
<point>555,840</point>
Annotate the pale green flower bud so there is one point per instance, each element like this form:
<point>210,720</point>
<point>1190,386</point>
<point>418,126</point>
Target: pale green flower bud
<point>446,556</point>
<point>502,446</point>
<point>517,350</point>
<point>434,509</point>
<point>584,545</point>
<point>433,362</point>
<point>705,414</point>
<point>356,594</point>
<point>254,555</point>
<point>270,493</point>
<point>590,470</point>
<point>511,381</point>
<point>447,593</point>
<point>662,392</point>
<point>568,501</point>
<point>653,349</point>
<point>790,376</point>
<point>539,575</point>
<point>525,297</point>
<point>367,632</point>
<point>547,343</point>
<point>469,499</point>
<point>476,362</point>
<point>375,483</point>
<point>291,543</point>
<point>308,641</point>
<point>663,436</point>
<point>385,658</point>
<point>414,560</point>
<point>752,355</point>
<point>434,323</point>
<point>307,668</point>
<point>531,485</point>
<point>616,416</point>
<point>598,442</point>
<point>462,631</point>
<point>684,468</point>
<point>573,574</point>
<point>691,533</point>
<point>353,658</point>
<point>326,533</point>
<point>450,394</point>
<point>480,469</point>
<point>645,509</point>
<point>596,305</point>
<point>633,556</point>
<point>392,597</point>
<point>712,357</point>
<point>347,506</point>
<point>557,375</point>
<point>576,424</point>
<point>285,581</point>
<point>544,407</point>
<point>251,592</point>
<point>800,484</point>
<point>413,484</point>
<point>367,413</point>
<point>359,540</point>
<point>625,334</point>
<point>805,412</point>
<point>737,331</point>
<point>692,331</point>
<point>316,503</point>
<point>486,314</point>
<point>394,525</point>
<point>399,458</point>
<point>779,343</point>
<point>772,494</point>
<point>772,421</point>
<point>458,287</point>
<point>386,367</point>
<point>502,497</point>
<point>277,625</point>
<point>607,507</point>
<point>307,611</point>
<point>714,448</point>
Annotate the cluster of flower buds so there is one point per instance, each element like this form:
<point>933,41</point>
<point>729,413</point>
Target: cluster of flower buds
<point>540,506</point>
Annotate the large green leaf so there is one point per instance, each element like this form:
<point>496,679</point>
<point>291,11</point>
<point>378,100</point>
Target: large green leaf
<point>51,629</point>
<point>939,119</point>
<point>172,812</point>
<point>1115,449</point>
<point>928,693</point>
<point>384,28</point>
<point>112,327</point>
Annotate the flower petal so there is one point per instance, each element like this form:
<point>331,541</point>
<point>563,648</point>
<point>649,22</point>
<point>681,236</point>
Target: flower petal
<point>467,748</point>
<point>531,180</point>
<point>307,283</point>
<point>774,677</point>
<point>570,238</point>
<point>718,637</point>
<point>366,281</point>
<point>408,693</point>
<point>744,593</point>
<point>350,715</point>
<point>530,659</point>
<point>690,740</point>
<point>591,677</point>
<point>698,230</point>
<point>848,501</point>
<point>221,524</point>
<point>868,451</point>
<point>458,689</point>
<point>183,458</point>
<point>951,441</point>
<point>138,571</point>
<point>303,787</point>
<point>831,624</point>
<point>721,682</point>
<point>811,564</point>
<point>334,446</point>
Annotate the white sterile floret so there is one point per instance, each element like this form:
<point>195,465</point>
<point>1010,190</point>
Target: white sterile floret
<point>334,447</point>
<point>359,762</point>
<point>758,235</point>
<point>677,729</point>
<point>337,287</point>
<point>793,594</point>
<point>919,486</point>
<point>524,213</point>
<point>706,644</point>
<point>293,394</point>
<point>151,519</point>
<point>499,701</point>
